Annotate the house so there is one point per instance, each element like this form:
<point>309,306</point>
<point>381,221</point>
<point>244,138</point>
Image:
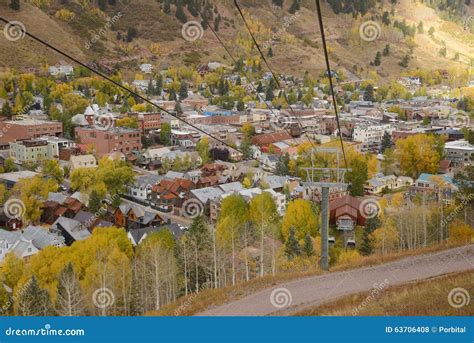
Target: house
<point>379,184</point>
<point>82,161</point>
<point>60,69</point>
<point>137,236</point>
<point>70,229</point>
<point>133,216</point>
<point>204,196</point>
<point>269,162</point>
<point>27,243</point>
<point>345,212</point>
<point>146,68</point>
<point>440,185</point>
<point>11,179</point>
<point>142,187</point>
<point>459,152</point>
<point>171,193</point>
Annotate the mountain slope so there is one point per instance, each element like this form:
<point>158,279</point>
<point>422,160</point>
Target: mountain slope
<point>295,49</point>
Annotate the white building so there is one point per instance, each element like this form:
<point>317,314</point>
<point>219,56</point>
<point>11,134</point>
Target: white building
<point>459,152</point>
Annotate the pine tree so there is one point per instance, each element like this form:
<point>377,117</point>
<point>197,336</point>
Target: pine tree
<point>386,50</point>
<point>295,6</point>
<point>7,110</point>
<point>260,88</point>
<point>270,52</point>
<point>183,91</point>
<point>180,14</point>
<point>269,96</point>
<point>308,248</point>
<point>369,93</point>
<point>15,5</point>
<point>240,106</point>
<point>292,247</point>
<point>34,301</point>
<point>386,141</point>
<point>136,306</point>
<point>70,300</point>
<point>378,59</point>
<point>366,247</point>
<point>172,95</point>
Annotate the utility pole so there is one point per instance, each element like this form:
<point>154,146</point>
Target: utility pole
<point>325,179</point>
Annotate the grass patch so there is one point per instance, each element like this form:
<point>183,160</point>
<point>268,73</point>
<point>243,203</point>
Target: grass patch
<point>423,298</point>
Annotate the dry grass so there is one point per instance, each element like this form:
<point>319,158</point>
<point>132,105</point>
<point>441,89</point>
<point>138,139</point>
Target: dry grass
<point>423,298</point>
<point>196,303</point>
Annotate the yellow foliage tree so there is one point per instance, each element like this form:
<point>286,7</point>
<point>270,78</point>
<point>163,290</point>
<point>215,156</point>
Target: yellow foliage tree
<point>301,216</point>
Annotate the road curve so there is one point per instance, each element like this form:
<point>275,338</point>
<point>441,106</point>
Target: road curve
<point>315,290</point>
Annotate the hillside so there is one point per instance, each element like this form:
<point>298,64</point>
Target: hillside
<point>142,32</point>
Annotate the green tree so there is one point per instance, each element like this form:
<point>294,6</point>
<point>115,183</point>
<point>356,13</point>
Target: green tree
<point>15,5</point>
<point>378,58</point>
<point>386,142</point>
<point>357,177</point>
<point>95,202</point>
<point>10,166</point>
<point>183,91</point>
<point>52,169</point>
<point>308,247</point>
<point>165,134</point>
<point>292,247</point>
<point>369,93</point>
<point>202,147</point>
<point>33,300</point>
<point>386,50</point>
<point>136,305</point>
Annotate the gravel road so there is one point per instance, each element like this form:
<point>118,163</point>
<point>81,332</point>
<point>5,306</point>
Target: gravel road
<point>290,297</point>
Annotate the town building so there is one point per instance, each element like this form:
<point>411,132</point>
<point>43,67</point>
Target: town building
<point>460,153</point>
<point>15,130</point>
<point>115,139</point>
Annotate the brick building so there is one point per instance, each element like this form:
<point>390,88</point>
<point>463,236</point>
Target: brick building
<point>108,141</point>
<point>11,130</point>
<point>147,121</point>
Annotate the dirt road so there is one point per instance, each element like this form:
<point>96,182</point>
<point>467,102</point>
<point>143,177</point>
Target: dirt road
<point>287,298</point>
